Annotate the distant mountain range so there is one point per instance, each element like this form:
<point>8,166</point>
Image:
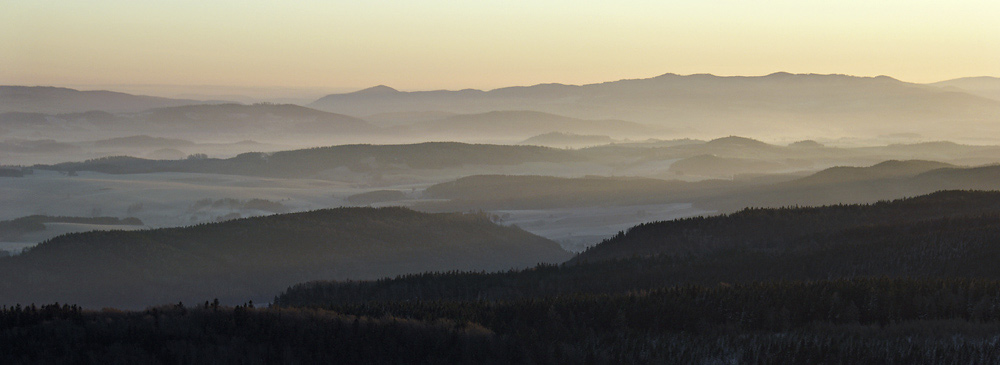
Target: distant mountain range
<point>985,86</point>
<point>61,100</point>
<point>778,105</point>
<point>255,258</point>
<point>200,122</point>
<point>780,102</point>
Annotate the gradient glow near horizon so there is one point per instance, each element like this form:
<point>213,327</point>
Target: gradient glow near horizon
<point>418,45</point>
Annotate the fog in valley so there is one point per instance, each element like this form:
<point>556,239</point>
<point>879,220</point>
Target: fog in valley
<point>575,164</point>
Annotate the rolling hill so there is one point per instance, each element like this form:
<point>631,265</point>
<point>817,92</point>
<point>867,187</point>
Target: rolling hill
<point>891,282</point>
<point>853,185</point>
<point>883,170</point>
<point>254,258</point>
<point>790,230</point>
<point>309,162</point>
<point>947,234</point>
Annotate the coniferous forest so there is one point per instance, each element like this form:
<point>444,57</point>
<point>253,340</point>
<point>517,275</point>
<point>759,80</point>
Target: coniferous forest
<point>905,281</point>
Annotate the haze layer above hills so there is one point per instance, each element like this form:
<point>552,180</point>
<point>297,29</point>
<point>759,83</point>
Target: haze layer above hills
<point>781,104</point>
<point>60,100</point>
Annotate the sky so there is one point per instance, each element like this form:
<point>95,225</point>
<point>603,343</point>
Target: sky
<point>318,46</point>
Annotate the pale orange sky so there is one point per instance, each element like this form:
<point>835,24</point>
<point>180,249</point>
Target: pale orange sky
<point>419,45</point>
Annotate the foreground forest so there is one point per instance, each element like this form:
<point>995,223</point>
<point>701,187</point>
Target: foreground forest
<point>845,321</point>
<point>906,281</point>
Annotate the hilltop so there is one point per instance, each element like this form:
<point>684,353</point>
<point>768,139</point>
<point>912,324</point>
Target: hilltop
<point>254,258</point>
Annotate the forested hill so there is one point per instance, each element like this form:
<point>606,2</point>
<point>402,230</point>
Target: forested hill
<point>12,229</point>
<point>946,234</point>
<point>308,162</point>
<point>255,258</point>
<point>907,281</point>
<point>784,228</point>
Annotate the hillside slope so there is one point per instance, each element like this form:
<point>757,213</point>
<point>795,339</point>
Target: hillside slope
<point>254,258</point>
<point>784,229</point>
<point>950,234</point>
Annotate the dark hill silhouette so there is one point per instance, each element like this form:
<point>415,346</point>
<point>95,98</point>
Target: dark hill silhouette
<point>791,229</point>
<point>776,278</point>
<point>254,258</point>
<point>59,100</point>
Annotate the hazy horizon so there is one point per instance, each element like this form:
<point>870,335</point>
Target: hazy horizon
<point>305,95</point>
<point>434,45</point>
<point>499,182</point>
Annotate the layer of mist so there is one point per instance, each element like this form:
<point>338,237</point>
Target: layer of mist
<point>572,164</point>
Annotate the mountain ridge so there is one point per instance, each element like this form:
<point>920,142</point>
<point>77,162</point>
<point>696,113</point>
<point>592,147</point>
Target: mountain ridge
<point>61,100</point>
<point>708,104</point>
